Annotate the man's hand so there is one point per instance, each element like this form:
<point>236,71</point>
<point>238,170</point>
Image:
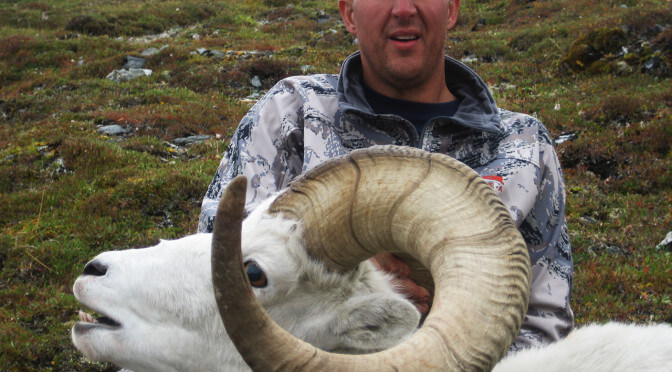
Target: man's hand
<point>390,264</point>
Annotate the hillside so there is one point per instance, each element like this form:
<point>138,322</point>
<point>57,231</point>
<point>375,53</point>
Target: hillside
<point>93,160</point>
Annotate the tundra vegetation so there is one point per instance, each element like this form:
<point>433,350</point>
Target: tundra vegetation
<point>596,73</point>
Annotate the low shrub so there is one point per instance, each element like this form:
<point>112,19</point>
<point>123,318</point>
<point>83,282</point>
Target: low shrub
<point>89,25</point>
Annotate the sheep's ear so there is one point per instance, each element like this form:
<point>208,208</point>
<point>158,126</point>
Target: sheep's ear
<point>374,322</point>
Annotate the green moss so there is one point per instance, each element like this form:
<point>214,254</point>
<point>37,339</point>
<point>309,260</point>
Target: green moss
<point>588,51</point>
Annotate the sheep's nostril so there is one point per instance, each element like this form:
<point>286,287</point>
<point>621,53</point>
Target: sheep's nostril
<point>95,267</point>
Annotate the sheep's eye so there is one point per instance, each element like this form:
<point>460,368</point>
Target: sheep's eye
<point>256,276</point>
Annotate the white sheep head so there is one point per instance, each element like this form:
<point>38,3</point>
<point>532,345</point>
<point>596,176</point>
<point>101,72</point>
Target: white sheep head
<point>403,200</point>
<point>166,319</point>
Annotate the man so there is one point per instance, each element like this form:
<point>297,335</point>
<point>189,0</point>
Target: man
<point>400,89</point>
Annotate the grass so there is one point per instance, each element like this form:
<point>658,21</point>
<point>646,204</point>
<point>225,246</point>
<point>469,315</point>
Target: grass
<point>68,192</point>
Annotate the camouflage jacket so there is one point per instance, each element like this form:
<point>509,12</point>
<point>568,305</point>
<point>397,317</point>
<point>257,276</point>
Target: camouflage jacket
<point>303,121</point>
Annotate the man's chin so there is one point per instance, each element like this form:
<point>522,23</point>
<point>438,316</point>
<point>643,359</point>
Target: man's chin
<point>409,77</point>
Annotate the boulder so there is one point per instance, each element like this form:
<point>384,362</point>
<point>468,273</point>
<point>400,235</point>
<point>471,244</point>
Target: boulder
<point>119,76</point>
<point>113,130</point>
<point>666,243</point>
<point>134,62</point>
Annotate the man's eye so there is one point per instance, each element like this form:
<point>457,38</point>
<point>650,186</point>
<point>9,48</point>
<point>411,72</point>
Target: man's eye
<point>255,274</point>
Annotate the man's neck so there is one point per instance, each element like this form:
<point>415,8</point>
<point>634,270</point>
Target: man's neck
<point>434,91</point>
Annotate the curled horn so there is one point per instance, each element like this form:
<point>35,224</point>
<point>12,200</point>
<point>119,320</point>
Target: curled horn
<point>394,199</point>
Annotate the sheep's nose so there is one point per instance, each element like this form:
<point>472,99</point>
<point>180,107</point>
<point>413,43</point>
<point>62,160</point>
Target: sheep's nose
<point>95,267</point>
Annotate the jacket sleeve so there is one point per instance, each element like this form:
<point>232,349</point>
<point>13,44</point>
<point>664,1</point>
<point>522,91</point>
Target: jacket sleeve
<point>549,316</point>
<point>267,148</point>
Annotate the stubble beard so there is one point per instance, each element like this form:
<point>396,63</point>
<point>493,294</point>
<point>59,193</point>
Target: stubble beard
<point>405,80</point>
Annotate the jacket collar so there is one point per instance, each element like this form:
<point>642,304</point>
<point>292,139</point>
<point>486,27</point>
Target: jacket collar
<point>477,110</point>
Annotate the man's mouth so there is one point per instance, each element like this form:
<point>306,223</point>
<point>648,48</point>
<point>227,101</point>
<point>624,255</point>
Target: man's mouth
<point>405,37</point>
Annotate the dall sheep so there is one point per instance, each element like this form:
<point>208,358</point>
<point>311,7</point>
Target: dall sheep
<point>304,252</point>
<point>159,310</point>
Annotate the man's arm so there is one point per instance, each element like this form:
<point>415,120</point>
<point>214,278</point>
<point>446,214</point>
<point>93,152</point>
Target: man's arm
<point>549,316</point>
<point>266,148</point>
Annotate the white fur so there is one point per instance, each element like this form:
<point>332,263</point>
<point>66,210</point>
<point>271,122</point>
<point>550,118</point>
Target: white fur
<point>612,347</point>
<point>163,298</point>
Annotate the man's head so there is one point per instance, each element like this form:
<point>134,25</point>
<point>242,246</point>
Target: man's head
<point>402,44</point>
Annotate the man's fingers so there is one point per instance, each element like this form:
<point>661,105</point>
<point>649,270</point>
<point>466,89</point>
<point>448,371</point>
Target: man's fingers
<point>419,295</point>
<point>389,263</point>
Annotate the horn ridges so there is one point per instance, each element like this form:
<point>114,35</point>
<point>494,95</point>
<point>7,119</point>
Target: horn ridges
<point>429,206</point>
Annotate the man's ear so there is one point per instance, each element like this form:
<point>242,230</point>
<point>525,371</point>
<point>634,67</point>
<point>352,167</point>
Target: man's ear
<point>345,6</point>
<point>454,9</point>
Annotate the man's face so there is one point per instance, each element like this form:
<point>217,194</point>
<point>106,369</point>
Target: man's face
<point>401,41</point>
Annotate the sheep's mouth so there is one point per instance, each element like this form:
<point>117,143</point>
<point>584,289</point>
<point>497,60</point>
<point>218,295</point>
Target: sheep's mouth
<point>89,321</point>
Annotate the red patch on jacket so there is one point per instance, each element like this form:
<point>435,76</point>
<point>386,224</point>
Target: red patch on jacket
<point>496,182</point>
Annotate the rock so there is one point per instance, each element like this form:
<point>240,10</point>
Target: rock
<point>173,32</point>
<point>469,59</point>
<point>212,53</point>
<point>565,137</point>
<point>613,250</point>
<point>44,150</point>
<point>622,50</point>
<point>216,54</point>
<point>119,76</point>
<point>59,167</point>
<point>191,140</point>
<point>294,51</point>
<point>666,243</point>
<point>256,82</point>
<point>589,220</point>
<point>480,25</point>
<point>134,62</point>
<point>149,52</point>
<point>590,48</point>
<point>321,17</point>
<point>503,86</point>
<point>306,68</point>
<point>113,130</point>
<point>252,98</point>
<point>650,63</point>
<point>622,68</point>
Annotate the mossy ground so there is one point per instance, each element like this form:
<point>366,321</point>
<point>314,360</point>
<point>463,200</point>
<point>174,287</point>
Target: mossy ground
<point>68,192</point>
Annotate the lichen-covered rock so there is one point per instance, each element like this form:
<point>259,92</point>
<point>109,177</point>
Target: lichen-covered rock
<point>134,62</point>
<point>114,130</point>
<point>128,74</point>
<point>592,51</point>
<point>622,50</point>
<point>666,244</point>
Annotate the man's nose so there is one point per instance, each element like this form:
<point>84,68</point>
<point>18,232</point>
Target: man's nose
<point>404,8</point>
